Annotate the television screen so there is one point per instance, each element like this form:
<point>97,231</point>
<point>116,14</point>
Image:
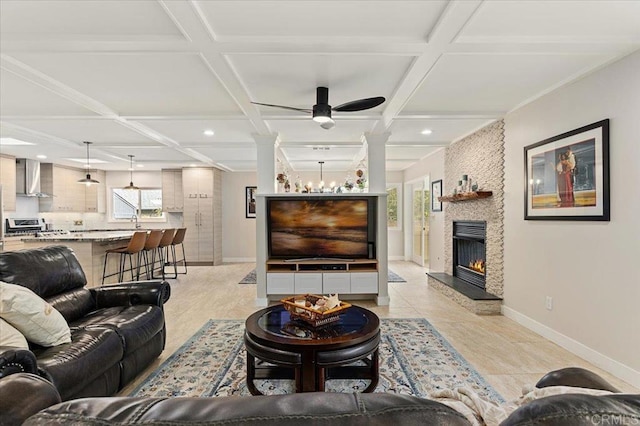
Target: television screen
<point>318,227</point>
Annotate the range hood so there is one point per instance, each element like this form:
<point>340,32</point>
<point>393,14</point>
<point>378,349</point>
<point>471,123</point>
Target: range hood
<point>28,178</point>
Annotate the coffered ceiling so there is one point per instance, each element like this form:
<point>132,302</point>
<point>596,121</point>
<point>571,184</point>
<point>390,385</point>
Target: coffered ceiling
<point>148,77</point>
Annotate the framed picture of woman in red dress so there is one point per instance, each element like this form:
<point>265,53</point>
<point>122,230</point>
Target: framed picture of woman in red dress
<point>567,176</point>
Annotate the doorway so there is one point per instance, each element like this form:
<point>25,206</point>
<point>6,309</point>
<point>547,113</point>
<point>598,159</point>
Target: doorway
<point>420,200</point>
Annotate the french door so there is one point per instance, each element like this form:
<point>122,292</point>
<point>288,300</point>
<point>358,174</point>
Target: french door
<point>420,222</point>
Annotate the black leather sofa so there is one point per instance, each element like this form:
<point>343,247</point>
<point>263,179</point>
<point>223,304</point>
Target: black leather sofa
<point>330,409</point>
<point>116,330</point>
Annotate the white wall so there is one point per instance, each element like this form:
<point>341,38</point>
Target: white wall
<point>238,232</point>
<point>433,166</point>
<point>588,268</point>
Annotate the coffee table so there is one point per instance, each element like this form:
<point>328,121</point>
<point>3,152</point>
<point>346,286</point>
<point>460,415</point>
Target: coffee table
<point>294,350</point>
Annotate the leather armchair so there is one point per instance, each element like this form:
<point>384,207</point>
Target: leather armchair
<point>116,330</point>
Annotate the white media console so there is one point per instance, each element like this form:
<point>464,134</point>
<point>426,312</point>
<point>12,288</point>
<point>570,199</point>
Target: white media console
<point>323,276</point>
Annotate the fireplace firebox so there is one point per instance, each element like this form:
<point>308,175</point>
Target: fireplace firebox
<point>469,254</point>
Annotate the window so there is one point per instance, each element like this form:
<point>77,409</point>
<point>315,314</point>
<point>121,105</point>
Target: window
<point>144,203</point>
<point>394,206</point>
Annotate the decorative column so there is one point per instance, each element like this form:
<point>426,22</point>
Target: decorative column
<point>376,154</point>
<point>266,172</point>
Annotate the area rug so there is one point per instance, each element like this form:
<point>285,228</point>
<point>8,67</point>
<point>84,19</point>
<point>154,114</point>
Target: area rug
<point>250,278</point>
<point>414,359</point>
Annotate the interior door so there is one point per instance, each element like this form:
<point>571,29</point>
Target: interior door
<point>420,222</point>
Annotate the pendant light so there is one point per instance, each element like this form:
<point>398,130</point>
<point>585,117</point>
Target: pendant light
<point>131,185</point>
<point>87,180</point>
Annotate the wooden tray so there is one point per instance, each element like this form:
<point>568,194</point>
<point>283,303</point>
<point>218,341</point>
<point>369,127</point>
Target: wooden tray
<point>310,315</point>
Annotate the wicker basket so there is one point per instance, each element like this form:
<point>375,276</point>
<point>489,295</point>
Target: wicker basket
<point>310,315</point>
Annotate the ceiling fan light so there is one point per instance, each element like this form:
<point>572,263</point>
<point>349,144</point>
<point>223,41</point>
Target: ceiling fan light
<point>322,119</point>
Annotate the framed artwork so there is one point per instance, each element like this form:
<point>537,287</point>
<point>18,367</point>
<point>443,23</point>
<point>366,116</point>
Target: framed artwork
<point>566,177</point>
<point>250,201</point>
<point>436,191</point>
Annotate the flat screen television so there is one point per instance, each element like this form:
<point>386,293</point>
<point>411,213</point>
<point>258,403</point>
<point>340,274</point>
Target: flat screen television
<point>321,227</point>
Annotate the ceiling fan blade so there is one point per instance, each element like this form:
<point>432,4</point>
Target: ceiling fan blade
<point>285,107</point>
<point>360,104</point>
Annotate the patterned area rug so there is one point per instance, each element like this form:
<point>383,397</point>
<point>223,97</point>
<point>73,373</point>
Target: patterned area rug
<point>250,278</point>
<point>414,359</point>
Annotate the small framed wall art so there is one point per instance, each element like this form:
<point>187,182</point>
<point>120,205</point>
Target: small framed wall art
<point>436,191</point>
<point>250,201</point>
<point>566,177</point>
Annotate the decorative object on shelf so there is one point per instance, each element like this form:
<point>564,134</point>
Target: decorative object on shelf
<point>474,195</point>
<point>87,180</point>
<point>348,184</point>
<point>315,310</point>
<point>250,201</point>
<point>361,176</point>
<point>436,193</point>
<point>567,176</point>
<point>131,186</point>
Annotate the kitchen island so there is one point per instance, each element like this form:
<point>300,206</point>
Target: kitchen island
<point>90,248</point>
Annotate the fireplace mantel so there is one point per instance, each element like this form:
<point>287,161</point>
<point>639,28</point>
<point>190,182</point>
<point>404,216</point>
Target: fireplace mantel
<point>475,195</point>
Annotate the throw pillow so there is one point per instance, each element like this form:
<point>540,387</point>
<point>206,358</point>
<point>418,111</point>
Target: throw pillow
<point>37,320</point>
<point>9,336</point>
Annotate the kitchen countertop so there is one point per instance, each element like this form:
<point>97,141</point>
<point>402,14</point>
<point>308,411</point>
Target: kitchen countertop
<point>87,236</point>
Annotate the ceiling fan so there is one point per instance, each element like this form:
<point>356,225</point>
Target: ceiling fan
<point>322,110</point>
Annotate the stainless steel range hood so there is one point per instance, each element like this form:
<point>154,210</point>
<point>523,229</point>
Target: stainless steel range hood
<point>28,178</point>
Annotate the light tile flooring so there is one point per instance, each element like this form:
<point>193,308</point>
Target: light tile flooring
<point>505,353</point>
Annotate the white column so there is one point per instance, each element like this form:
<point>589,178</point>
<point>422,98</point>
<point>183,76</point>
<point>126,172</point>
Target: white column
<point>376,155</point>
<point>266,173</point>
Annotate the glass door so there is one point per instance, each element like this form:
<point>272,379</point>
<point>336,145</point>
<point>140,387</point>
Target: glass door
<point>420,225</point>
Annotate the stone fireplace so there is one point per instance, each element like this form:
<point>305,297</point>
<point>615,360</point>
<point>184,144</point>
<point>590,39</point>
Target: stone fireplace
<point>469,254</point>
<point>473,272</point>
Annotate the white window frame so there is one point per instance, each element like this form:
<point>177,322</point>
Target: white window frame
<point>111,219</point>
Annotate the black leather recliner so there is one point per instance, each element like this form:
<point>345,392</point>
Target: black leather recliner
<point>116,330</point>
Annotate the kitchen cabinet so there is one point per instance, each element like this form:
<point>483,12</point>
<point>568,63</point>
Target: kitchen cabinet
<point>172,198</point>
<point>95,196</point>
<point>8,180</point>
<point>67,194</point>
<point>201,195</point>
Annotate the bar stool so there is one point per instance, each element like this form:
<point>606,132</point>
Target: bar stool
<point>163,249</point>
<point>135,246</point>
<point>178,239</point>
<point>151,245</point>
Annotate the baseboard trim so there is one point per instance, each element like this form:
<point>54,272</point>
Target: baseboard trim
<point>608,364</point>
<point>396,258</point>
<point>238,259</point>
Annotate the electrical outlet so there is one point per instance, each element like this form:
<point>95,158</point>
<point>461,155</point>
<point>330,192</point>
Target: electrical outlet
<point>77,222</point>
<point>548,303</point>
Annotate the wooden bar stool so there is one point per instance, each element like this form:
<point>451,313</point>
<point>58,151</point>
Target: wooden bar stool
<point>135,246</point>
<point>178,239</point>
<point>163,249</point>
<point>151,246</point>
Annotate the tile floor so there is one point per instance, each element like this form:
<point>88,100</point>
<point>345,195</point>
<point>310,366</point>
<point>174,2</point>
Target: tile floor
<point>508,355</point>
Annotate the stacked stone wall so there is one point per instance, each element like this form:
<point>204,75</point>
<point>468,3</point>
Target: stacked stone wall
<point>481,157</point>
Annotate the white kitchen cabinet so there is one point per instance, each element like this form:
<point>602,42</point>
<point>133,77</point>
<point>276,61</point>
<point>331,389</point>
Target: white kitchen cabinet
<point>201,241</point>
<point>172,198</point>
<point>95,199</point>
<point>8,180</point>
<point>67,194</point>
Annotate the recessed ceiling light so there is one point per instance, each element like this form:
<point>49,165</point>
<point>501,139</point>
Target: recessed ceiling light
<point>426,132</point>
<point>192,165</point>
<point>139,165</point>
<point>12,141</point>
<point>41,156</point>
<point>208,132</point>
